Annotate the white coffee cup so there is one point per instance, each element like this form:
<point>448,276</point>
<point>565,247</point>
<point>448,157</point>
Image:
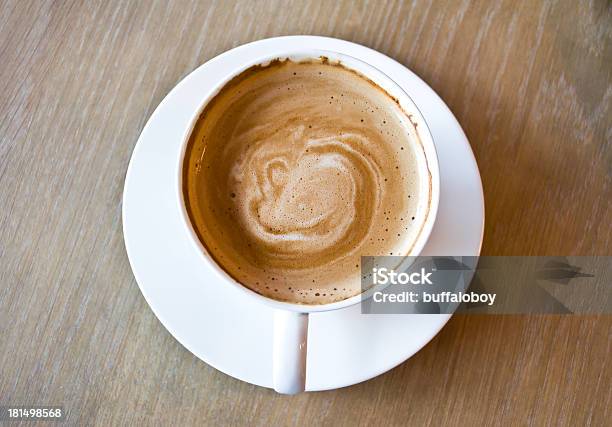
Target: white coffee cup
<point>291,320</point>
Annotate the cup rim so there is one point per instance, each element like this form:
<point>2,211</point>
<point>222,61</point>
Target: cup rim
<point>372,73</point>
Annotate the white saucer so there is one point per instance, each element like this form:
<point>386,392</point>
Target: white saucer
<point>216,323</point>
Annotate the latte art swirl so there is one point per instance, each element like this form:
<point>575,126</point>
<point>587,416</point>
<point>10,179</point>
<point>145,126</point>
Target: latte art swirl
<point>296,170</point>
<point>308,201</point>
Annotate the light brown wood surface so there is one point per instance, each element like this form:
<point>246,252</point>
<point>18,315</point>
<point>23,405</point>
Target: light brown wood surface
<point>529,81</point>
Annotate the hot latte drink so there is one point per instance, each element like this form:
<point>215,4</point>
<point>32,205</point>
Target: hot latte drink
<point>294,170</point>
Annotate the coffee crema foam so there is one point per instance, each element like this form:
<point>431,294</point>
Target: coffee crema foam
<point>294,170</point>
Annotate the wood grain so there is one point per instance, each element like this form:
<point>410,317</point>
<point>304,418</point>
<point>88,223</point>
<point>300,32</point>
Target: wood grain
<point>530,82</point>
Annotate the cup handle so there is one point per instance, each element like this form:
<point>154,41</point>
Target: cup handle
<point>289,351</point>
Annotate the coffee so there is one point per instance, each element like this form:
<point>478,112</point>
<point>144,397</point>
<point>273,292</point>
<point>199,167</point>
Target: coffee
<point>295,170</point>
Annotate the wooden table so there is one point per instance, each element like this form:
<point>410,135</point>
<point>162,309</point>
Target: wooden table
<point>530,82</point>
